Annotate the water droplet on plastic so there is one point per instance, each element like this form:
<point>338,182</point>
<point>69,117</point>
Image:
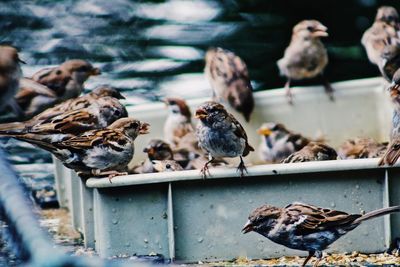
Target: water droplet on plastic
<point>128,244</point>
<point>333,204</point>
<point>114,210</point>
<point>115,221</point>
<point>357,186</point>
<point>130,199</point>
<point>145,240</point>
<point>200,239</point>
<point>250,201</point>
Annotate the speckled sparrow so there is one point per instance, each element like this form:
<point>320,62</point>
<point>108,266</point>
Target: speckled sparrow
<point>277,142</point>
<point>229,79</point>
<point>313,151</point>
<point>306,56</point>
<point>166,166</point>
<point>361,147</point>
<point>221,135</point>
<point>306,227</point>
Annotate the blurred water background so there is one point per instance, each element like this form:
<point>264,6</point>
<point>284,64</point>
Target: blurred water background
<point>150,49</point>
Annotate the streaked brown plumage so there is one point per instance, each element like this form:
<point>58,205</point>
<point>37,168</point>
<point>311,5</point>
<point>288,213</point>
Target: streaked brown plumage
<point>166,166</point>
<point>229,79</point>
<point>313,151</point>
<point>362,147</point>
<point>306,56</point>
<point>306,227</point>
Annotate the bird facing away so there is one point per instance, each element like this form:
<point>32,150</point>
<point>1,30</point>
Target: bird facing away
<point>10,74</point>
<point>385,27</point>
<point>101,152</point>
<point>65,80</point>
<point>229,79</point>
<point>166,166</point>
<point>179,121</point>
<point>306,227</point>
<point>313,151</point>
<point>306,56</point>
<point>95,110</point>
<point>277,142</point>
<point>221,135</point>
<point>361,147</point>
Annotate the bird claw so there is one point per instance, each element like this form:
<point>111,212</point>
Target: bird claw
<point>204,171</point>
<point>242,169</point>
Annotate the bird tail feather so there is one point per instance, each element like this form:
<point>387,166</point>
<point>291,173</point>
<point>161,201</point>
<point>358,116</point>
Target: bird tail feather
<point>391,155</point>
<point>377,213</point>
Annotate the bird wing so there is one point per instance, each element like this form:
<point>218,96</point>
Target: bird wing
<point>54,78</point>
<point>105,137</point>
<point>392,153</point>
<point>30,89</point>
<point>239,131</point>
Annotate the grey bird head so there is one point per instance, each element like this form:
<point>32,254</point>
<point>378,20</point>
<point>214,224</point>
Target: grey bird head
<point>210,112</point>
<point>261,219</point>
<point>388,15</point>
<point>310,29</point>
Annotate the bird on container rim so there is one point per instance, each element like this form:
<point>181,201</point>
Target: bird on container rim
<point>166,166</point>
<point>306,56</point>
<point>361,147</point>
<point>313,151</point>
<point>306,227</point>
<point>229,79</point>
<point>221,135</point>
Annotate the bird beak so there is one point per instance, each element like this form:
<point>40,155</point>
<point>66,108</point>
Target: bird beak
<point>21,61</point>
<point>95,71</point>
<point>264,131</point>
<point>150,151</point>
<point>200,114</point>
<point>320,31</point>
<point>394,89</point>
<point>144,128</point>
<point>248,227</point>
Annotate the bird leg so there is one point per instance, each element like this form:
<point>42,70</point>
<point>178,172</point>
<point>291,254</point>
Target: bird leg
<point>241,168</point>
<point>318,254</point>
<point>288,92</point>
<point>111,174</point>
<point>328,88</point>
<point>310,254</point>
<point>205,168</point>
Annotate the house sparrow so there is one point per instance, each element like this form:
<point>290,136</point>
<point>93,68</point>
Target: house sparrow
<point>95,110</point>
<point>385,26</point>
<point>306,56</point>
<point>221,135</point>
<point>101,152</point>
<point>359,148</point>
<point>65,80</point>
<point>390,59</point>
<point>179,121</point>
<point>10,74</point>
<point>156,150</point>
<point>277,142</point>
<point>166,166</point>
<point>306,227</point>
<point>313,151</point>
<point>229,79</point>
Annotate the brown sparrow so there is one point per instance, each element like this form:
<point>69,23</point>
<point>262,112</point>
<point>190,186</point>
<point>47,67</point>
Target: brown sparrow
<point>385,27</point>
<point>277,142</point>
<point>360,148</point>
<point>313,151</point>
<point>229,79</point>
<point>306,227</point>
<point>166,166</point>
<point>95,110</point>
<point>390,59</point>
<point>179,121</point>
<point>10,74</point>
<point>221,135</point>
<point>306,56</point>
<point>102,152</point>
<point>65,80</point>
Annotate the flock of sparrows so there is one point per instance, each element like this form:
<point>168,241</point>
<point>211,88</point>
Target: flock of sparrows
<point>93,135</point>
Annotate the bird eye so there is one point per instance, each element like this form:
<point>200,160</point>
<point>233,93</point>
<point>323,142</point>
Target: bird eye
<point>310,28</point>
<point>117,113</point>
<point>175,111</point>
<point>168,166</point>
<point>58,72</point>
<point>135,125</point>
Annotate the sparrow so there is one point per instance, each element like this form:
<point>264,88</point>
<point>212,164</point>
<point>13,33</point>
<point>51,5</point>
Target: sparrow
<point>390,58</point>
<point>277,142</point>
<point>10,74</point>
<point>166,166</point>
<point>221,135</point>
<point>313,151</point>
<point>229,79</point>
<point>179,121</point>
<point>65,80</point>
<point>95,110</point>
<point>100,152</point>
<point>156,150</point>
<point>306,227</point>
<point>385,26</point>
<point>362,147</point>
<point>306,56</point>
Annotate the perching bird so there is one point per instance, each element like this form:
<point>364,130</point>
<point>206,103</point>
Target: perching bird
<point>101,152</point>
<point>385,27</point>
<point>229,79</point>
<point>306,227</point>
<point>313,151</point>
<point>10,74</point>
<point>95,110</point>
<point>221,135</point>
<point>179,121</point>
<point>65,80</point>
<point>361,147</point>
<point>166,166</point>
<point>306,56</point>
<point>156,149</point>
<point>390,58</point>
<point>277,142</point>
